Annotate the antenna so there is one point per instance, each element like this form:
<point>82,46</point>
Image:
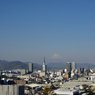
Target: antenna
<point>44,59</point>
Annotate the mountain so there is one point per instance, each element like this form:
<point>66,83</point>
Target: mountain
<point>6,65</point>
<point>54,65</point>
<point>3,61</point>
<point>61,65</point>
<point>16,64</point>
<point>85,65</point>
<point>12,65</point>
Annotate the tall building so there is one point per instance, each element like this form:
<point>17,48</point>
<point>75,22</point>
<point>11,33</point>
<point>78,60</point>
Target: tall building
<point>44,66</point>
<point>30,67</point>
<point>68,66</point>
<point>81,70</point>
<point>73,65</point>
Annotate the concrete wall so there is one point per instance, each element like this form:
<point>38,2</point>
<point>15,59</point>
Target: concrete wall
<point>11,90</point>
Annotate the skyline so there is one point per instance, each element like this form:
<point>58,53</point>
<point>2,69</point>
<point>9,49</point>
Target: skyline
<point>59,31</point>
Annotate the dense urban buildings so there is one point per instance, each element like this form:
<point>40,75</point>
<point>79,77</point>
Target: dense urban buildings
<point>67,81</point>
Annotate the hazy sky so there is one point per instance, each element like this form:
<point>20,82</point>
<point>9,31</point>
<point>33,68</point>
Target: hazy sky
<point>60,30</point>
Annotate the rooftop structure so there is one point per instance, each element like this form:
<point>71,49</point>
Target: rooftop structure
<point>66,92</point>
<point>35,85</point>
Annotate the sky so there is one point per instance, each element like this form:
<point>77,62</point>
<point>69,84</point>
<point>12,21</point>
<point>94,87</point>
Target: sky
<point>59,30</point>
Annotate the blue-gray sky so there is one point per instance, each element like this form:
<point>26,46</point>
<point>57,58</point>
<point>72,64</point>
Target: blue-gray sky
<point>60,30</point>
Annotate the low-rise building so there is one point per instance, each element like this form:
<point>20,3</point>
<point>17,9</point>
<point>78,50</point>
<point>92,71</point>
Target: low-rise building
<point>20,81</point>
<point>42,74</point>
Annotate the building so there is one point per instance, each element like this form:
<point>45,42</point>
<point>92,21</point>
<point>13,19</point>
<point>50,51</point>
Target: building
<point>67,75</point>
<point>21,71</point>
<point>23,76</point>
<point>42,74</point>
<point>68,66</point>
<point>0,72</point>
<point>58,73</point>
<point>20,81</point>
<point>30,67</point>
<point>11,90</point>
<point>66,92</point>
<point>92,77</point>
<point>44,66</point>
<point>73,65</point>
<point>82,70</point>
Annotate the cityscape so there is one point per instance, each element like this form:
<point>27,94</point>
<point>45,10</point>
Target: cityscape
<point>47,47</point>
<point>67,81</point>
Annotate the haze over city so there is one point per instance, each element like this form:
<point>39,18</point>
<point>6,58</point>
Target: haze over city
<point>60,31</point>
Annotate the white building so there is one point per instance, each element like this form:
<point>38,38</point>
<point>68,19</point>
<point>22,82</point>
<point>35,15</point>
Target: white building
<point>92,77</point>
<point>58,73</point>
<point>66,92</point>
<point>51,75</point>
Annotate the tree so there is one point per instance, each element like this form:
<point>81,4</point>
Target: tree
<point>89,90</point>
<point>48,91</point>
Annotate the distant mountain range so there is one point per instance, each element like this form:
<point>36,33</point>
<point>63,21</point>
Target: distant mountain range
<point>55,65</point>
<point>6,65</point>
<point>12,65</point>
<point>62,65</point>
